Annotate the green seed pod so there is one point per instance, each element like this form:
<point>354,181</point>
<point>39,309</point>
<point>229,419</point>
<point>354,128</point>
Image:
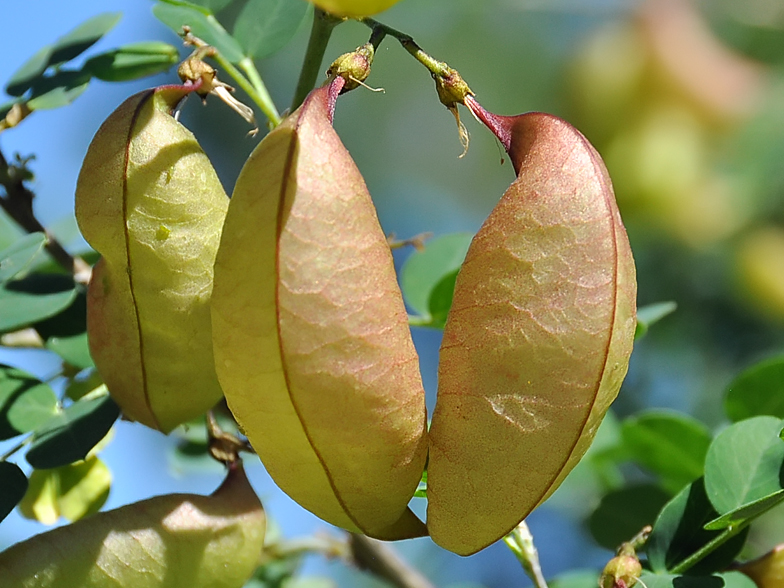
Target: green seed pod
<point>312,344</point>
<point>171,541</point>
<point>538,338</point>
<point>149,201</point>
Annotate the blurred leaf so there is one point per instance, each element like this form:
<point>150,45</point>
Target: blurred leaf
<point>266,26</point>
<point>133,61</point>
<point>18,256</point>
<point>757,391</point>
<point>744,463</point>
<point>78,40</point>
<point>65,333</point>
<point>621,514</point>
<point>678,533</point>
<point>746,512</point>
<point>69,436</point>
<point>73,492</point>
<point>726,580</point>
<point>32,69</point>
<point>58,90</point>
<point>310,582</point>
<point>176,13</point>
<point>652,314</point>
<point>671,445</point>
<point>190,458</point>
<point>213,6</point>
<point>752,30</point>
<point>441,300</point>
<point>575,579</point>
<point>13,488</point>
<point>64,49</point>
<point>25,402</point>
<point>425,269</point>
<point>34,298</point>
<point>83,384</point>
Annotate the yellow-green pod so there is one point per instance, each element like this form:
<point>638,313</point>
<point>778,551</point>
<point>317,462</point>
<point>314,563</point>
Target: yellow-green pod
<point>149,201</point>
<point>311,337</point>
<point>538,338</point>
<point>170,541</point>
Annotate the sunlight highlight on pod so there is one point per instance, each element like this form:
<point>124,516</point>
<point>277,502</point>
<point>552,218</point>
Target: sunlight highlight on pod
<point>311,336</point>
<point>538,338</point>
<point>170,541</point>
<point>149,201</point>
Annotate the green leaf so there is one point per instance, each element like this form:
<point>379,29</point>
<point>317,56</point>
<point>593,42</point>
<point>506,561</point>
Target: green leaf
<point>78,40</point>
<point>65,333</point>
<point>266,26</point>
<point>73,492</point>
<point>425,269</point>
<point>213,6</point>
<point>31,71</point>
<point>441,300</point>
<point>17,257</point>
<point>13,487</point>
<point>727,580</point>
<point>651,314</point>
<point>176,13</point>
<point>25,402</point>
<point>575,579</point>
<point>132,61</point>
<point>757,391</point>
<point>58,90</point>
<point>744,463</point>
<point>746,512</point>
<point>83,384</point>
<point>34,298</point>
<point>69,436</point>
<point>671,445</point>
<point>622,513</point>
<point>64,49</point>
<point>678,533</point>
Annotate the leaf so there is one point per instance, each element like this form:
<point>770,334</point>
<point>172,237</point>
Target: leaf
<point>73,492</point>
<point>678,533</point>
<point>69,436</point>
<point>176,13</point>
<point>31,71</point>
<point>64,49</point>
<point>757,391</point>
<point>78,40</point>
<point>744,463</point>
<point>621,514</point>
<point>65,333</point>
<point>34,298</point>
<point>266,26</point>
<point>213,6</point>
<point>726,580</point>
<point>652,314</point>
<point>423,270</point>
<point>132,61</point>
<point>671,445</point>
<point>83,384</point>
<point>25,402</point>
<point>746,512</point>
<point>441,300</point>
<point>58,90</point>
<point>13,487</point>
<point>575,579</point>
<point>17,257</point>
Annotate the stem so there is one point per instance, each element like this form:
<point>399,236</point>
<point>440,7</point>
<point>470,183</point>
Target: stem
<point>521,542</point>
<point>381,560</point>
<point>323,25</point>
<point>380,30</point>
<point>264,99</point>
<point>16,448</point>
<point>709,547</point>
<point>18,203</point>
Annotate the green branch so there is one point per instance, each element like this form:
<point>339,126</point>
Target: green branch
<point>323,25</point>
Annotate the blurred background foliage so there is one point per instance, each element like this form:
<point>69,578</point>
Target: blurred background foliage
<point>684,100</point>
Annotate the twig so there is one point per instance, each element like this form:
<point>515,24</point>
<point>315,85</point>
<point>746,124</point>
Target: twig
<point>18,203</point>
<point>323,25</point>
<point>381,560</point>
<point>521,542</point>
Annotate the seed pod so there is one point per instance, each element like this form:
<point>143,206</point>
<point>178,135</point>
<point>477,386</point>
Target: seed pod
<point>149,201</point>
<point>171,541</point>
<point>311,338</point>
<point>538,338</point>
<point>768,570</point>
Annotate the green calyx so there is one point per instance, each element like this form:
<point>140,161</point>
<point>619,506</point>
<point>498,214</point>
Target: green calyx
<point>354,67</point>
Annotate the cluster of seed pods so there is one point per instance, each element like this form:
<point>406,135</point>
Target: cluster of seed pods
<point>305,332</point>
